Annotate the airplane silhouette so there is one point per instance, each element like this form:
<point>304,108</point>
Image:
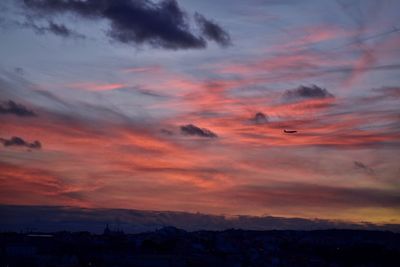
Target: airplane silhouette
<point>289,131</point>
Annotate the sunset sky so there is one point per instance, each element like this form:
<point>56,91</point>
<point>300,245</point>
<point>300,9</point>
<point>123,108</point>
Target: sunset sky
<point>182,106</point>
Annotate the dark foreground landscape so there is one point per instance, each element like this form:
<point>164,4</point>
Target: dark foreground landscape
<point>170,246</point>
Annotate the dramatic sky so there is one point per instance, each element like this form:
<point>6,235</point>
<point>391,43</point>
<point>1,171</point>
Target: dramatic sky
<point>182,106</point>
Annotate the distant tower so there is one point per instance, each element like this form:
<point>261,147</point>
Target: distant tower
<point>107,230</point>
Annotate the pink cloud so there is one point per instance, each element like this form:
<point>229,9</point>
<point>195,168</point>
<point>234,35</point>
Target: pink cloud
<point>93,86</point>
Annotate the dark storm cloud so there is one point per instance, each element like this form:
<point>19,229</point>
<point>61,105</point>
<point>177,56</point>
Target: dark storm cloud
<point>10,107</point>
<point>162,24</point>
<point>260,118</point>
<point>191,129</point>
<point>213,31</point>
<point>312,91</point>
<point>18,141</point>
